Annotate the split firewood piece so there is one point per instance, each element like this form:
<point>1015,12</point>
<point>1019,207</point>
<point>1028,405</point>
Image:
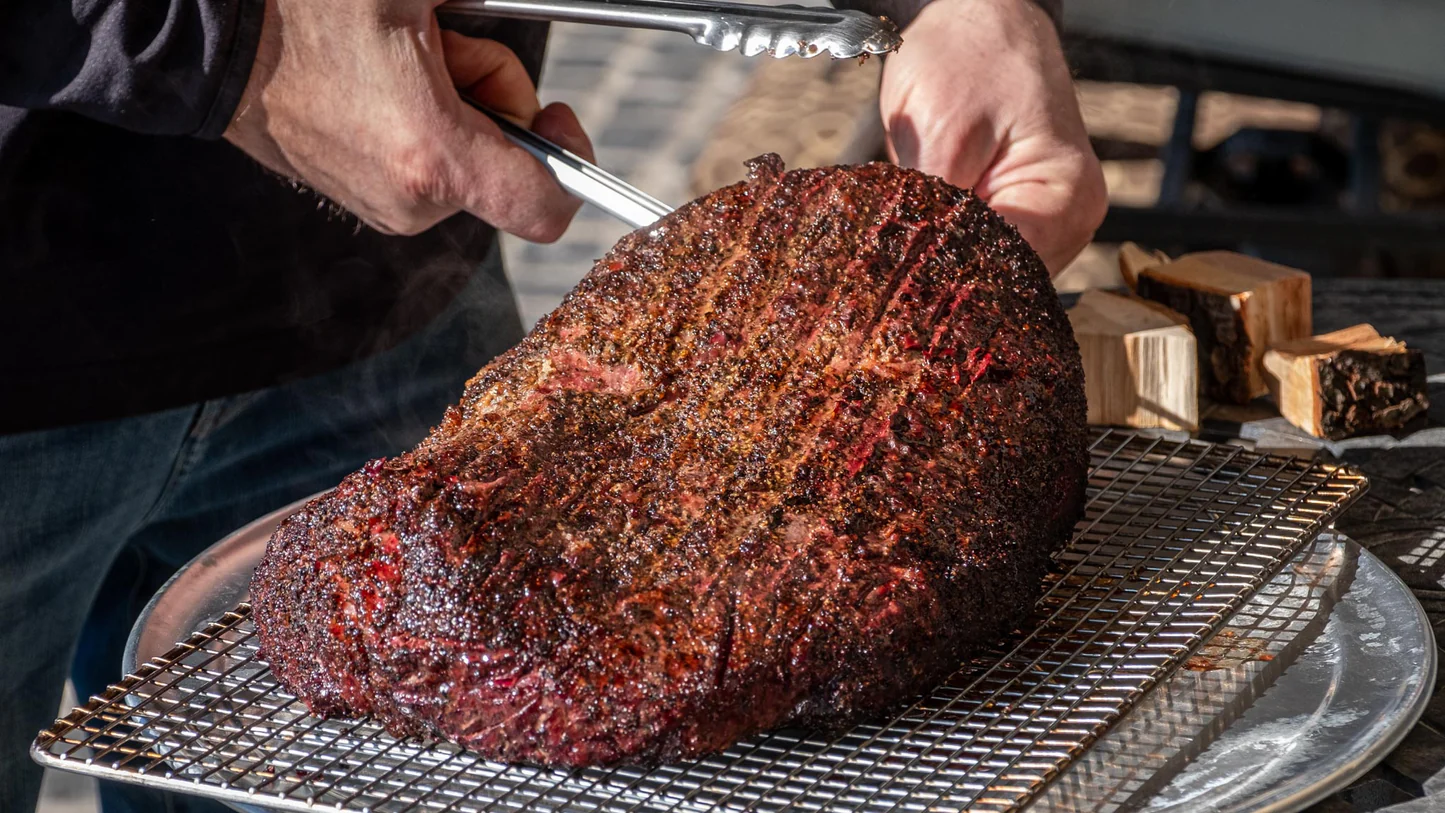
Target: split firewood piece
<point>1134,258</point>
<point>1140,363</point>
<point>1239,307</point>
<point>1350,382</point>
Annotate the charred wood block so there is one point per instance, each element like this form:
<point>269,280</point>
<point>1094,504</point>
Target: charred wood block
<point>1239,307</point>
<point>1350,382</point>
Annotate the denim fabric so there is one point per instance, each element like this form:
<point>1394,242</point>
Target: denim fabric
<point>94,517</point>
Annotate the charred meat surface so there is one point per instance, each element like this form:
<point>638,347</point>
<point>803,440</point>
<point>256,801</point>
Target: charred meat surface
<point>788,457</point>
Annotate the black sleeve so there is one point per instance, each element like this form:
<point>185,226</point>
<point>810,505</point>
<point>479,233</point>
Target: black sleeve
<point>902,12</point>
<point>166,67</point>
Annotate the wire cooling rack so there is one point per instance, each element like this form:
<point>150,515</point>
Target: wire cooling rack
<point>1177,535</point>
<point>1186,713</point>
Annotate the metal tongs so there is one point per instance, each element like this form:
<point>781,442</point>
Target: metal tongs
<point>581,177</point>
<point>777,30</point>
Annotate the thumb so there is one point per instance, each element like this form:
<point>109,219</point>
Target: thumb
<point>557,123</point>
<point>490,73</point>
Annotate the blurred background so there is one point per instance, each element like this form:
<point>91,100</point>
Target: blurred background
<point>1307,132</point>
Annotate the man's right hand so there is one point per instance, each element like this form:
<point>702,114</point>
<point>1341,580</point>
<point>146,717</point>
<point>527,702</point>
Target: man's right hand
<point>359,100</point>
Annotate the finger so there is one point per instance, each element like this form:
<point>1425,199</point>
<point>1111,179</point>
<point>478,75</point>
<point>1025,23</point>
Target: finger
<point>556,122</point>
<point>954,147</point>
<point>960,157</point>
<point>937,130</point>
<point>1056,207</point>
<point>489,72</point>
<point>504,185</point>
<point>1033,208</point>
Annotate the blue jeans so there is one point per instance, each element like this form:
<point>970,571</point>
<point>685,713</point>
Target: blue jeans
<point>93,518</point>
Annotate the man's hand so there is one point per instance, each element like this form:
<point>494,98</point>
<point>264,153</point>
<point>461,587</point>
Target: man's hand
<point>358,99</point>
<point>980,95</point>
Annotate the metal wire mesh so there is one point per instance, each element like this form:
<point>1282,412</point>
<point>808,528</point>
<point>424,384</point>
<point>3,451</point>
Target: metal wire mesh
<point>1177,535</point>
<point>1182,716</point>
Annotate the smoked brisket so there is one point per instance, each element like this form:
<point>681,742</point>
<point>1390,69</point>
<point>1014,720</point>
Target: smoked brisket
<point>788,457</point>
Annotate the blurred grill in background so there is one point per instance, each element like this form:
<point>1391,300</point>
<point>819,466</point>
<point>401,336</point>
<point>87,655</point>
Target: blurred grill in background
<point>1307,132</point>
<point>1302,132</point>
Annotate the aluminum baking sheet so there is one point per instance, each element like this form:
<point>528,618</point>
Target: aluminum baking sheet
<point>1178,535</point>
<point>1169,727</point>
<point>1272,734</point>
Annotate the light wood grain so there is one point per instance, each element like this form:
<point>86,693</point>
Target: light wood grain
<point>1140,363</point>
<point>1134,258</point>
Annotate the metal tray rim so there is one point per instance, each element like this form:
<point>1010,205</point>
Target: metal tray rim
<point>130,660</point>
<point>1392,737</point>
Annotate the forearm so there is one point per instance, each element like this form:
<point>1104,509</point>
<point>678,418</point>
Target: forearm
<point>902,12</point>
<point>168,67</point>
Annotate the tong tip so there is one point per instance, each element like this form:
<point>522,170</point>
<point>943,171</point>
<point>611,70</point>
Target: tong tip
<point>885,40</point>
<point>860,36</point>
<point>840,33</point>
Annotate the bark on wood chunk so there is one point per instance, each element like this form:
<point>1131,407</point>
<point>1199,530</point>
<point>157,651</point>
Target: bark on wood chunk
<point>1350,382</point>
<point>1134,258</point>
<point>1239,307</point>
<point>1140,363</point>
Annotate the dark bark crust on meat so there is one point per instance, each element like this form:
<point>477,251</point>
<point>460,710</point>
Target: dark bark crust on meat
<point>786,458</point>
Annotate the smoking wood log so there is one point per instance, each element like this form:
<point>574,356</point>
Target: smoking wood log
<point>1134,258</point>
<point>1239,307</point>
<point>1350,382</point>
<point>1140,363</point>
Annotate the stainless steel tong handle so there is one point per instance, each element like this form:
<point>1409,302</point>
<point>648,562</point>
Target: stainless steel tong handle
<point>778,30</point>
<point>581,177</point>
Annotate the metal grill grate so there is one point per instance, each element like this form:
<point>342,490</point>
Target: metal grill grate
<point>1176,536</point>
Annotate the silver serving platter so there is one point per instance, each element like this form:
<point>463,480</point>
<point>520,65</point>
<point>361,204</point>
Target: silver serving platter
<point>1348,699</point>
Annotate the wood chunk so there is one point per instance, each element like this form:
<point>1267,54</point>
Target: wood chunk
<point>1239,307</point>
<point>1134,258</point>
<point>1350,382</point>
<point>1140,363</point>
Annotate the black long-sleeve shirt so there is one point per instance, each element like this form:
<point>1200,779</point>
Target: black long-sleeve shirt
<point>144,262</point>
